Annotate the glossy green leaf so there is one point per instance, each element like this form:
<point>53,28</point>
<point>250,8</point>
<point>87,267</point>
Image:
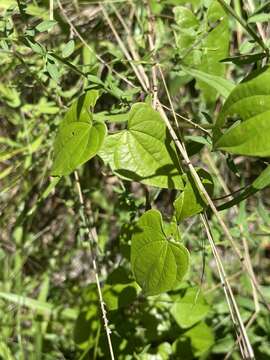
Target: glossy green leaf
<point>190,308</point>
<point>144,151</point>
<point>259,18</point>
<point>215,48</point>
<point>158,263</point>
<point>190,202</point>
<point>250,138</point>
<point>81,109</point>
<point>249,98</point>
<point>250,103</point>
<point>79,138</point>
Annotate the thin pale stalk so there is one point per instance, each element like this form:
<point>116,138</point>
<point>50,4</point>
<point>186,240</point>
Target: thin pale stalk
<point>93,238</point>
<point>103,62</point>
<point>247,350</point>
<point>132,46</point>
<point>152,50</point>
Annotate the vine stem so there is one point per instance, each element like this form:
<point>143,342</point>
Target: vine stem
<point>93,240</point>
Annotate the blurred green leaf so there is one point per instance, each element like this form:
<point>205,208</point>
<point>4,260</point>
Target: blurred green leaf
<point>68,49</point>
<point>190,308</point>
<point>46,25</point>
<point>216,47</point>
<point>222,86</point>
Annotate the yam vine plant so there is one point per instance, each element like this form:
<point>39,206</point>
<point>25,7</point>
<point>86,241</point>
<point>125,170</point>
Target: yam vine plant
<point>135,179</point>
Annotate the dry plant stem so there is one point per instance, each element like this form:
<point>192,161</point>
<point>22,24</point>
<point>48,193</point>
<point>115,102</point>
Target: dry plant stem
<point>246,349</point>
<point>193,124</point>
<point>239,32</point>
<point>51,9</point>
<point>123,48</point>
<point>132,46</point>
<point>152,50</point>
<point>136,57</point>
<point>218,286</point>
<point>251,6</point>
<point>93,238</point>
<point>75,31</point>
<point>252,278</point>
<point>248,264</point>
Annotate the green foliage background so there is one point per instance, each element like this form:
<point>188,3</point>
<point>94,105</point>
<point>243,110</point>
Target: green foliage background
<point>70,100</point>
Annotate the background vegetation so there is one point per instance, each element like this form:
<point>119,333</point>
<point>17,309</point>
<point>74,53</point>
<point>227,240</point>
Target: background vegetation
<point>50,53</point>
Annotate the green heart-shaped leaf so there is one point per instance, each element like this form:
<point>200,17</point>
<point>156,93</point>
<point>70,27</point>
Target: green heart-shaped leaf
<point>158,263</point>
<point>250,103</point>
<point>79,138</point>
<point>143,152</point>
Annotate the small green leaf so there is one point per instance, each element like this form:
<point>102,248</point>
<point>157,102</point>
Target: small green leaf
<point>158,263</point>
<point>222,86</point>
<point>68,49</point>
<point>263,180</point>
<point>259,18</point>
<point>46,25</point>
<point>190,201</point>
<point>190,308</point>
<point>201,337</point>
<point>52,69</point>
<point>244,59</point>
<point>185,18</point>
<point>79,138</point>
<point>144,151</point>
<point>250,138</point>
<point>36,47</point>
